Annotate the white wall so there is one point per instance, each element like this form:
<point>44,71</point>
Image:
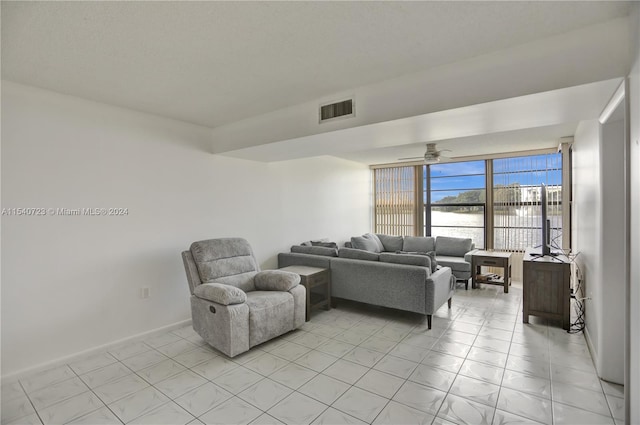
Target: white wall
<point>586,223</point>
<point>599,236</point>
<point>71,283</point>
<point>633,385</point>
<point>613,247</point>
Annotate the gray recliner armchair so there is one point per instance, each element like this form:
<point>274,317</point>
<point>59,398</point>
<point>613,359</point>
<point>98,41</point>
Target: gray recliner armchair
<point>234,305</point>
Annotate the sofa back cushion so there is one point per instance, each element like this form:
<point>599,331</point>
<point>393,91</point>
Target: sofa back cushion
<point>315,250</point>
<point>366,244</point>
<point>453,247</point>
<point>391,243</point>
<point>228,260</point>
<point>357,254</point>
<point>418,244</point>
<point>409,259</point>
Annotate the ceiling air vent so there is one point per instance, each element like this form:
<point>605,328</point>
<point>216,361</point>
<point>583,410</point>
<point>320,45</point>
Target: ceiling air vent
<point>342,109</point>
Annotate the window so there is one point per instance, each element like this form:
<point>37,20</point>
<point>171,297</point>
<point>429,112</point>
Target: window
<point>454,198</point>
<point>516,200</point>
<point>495,202</point>
<point>395,200</point>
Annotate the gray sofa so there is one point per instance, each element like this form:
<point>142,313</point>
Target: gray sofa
<point>451,252</point>
<point>401,281</point>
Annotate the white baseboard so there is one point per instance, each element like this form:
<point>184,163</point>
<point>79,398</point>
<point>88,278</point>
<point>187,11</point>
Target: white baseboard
<point>592,350</point>
<point>95,350</point>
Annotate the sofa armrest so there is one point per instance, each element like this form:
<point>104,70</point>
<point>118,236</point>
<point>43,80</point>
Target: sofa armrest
<point>220,293</point>
<point>467,255</point>
<point>439,289</point>
<point>276,280</point>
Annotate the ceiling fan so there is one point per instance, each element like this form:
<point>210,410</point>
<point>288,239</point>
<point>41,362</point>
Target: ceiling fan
<point>431,155</point>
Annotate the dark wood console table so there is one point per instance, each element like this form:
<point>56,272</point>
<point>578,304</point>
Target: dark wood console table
<point>546,286</point>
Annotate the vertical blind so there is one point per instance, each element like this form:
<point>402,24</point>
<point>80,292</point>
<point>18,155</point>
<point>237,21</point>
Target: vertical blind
<point>516,200</point>
<point>395,200</point>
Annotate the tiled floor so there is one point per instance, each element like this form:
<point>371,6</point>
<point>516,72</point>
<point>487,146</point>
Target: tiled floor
<point>354,364</point>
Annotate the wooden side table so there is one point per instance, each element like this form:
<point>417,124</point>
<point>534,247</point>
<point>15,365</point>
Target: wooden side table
<point>491,259</point>
<point>312,277</point>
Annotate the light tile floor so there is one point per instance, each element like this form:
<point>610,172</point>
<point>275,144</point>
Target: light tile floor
<point>354,364</point>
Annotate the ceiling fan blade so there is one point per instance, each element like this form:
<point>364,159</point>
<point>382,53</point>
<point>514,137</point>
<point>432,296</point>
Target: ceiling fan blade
<point>411,157</point>
<point>431,156</point>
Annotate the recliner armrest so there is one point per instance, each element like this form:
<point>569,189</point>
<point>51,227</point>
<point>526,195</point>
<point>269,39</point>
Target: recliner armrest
<point>276,280</point>
<point>220,293</point>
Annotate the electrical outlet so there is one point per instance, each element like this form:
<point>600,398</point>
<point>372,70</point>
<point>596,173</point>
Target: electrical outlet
<point>145,293</point>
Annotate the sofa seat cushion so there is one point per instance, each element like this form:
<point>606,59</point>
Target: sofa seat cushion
<point>270,315</point>
<point>457,264</point>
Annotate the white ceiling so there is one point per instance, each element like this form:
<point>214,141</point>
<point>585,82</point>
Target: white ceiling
<point>213,63</point>
<point>461,148</point>
<point>521,123</point>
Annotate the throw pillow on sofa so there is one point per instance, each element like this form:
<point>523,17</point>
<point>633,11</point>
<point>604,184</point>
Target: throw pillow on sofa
<point>376,240</point>
<point>317,241</point>
<point>365,244</point>
<point>431,254</point>
<point>315,250</point>
<point>434,262</point>
<point>324,244</point>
